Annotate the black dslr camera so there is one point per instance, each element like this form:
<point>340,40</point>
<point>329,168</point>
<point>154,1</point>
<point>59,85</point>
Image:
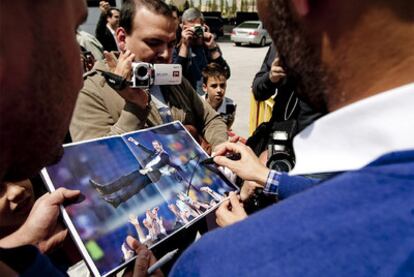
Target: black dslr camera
<point>280,150</point>
<point>280,158</point>
<point>258,201</point>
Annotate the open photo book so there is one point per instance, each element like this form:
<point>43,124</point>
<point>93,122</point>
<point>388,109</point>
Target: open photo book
<point>149,184</point>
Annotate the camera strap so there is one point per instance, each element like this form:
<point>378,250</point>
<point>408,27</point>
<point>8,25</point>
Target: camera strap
<point>115,81</point>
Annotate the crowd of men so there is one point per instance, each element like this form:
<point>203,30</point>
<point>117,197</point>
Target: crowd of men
<point>346,209</point>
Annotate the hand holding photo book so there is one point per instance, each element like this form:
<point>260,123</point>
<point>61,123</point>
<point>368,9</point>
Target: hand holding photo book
<point>149,184</point>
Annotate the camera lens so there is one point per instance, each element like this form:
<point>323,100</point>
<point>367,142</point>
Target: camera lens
<point>198,31</point>
<point>281,165</point>
<point>141,72</point>
<point>281,161</point>
<point>258,200</point>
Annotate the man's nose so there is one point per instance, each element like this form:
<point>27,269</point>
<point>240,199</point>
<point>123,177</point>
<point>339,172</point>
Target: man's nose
<point>165,53</point>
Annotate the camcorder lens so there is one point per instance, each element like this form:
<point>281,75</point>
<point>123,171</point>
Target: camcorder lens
<point>142,72</point>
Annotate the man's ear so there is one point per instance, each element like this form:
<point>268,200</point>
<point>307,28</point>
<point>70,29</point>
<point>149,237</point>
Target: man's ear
<point>121,38</point>
<point>301,7</point>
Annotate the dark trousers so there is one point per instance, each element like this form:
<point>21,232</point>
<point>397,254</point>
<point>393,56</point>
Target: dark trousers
<point>125,187</point>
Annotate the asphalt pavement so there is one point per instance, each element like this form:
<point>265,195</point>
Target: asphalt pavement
<point>244,62</point>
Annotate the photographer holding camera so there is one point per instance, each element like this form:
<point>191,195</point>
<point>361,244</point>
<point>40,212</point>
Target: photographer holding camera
<point>128,100</point>
<point>197,48</point>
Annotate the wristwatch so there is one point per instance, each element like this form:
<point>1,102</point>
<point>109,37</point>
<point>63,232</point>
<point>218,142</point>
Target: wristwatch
<point>214,49</point>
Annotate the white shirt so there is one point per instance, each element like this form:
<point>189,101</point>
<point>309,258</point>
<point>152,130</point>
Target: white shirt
<point>357,134</point>
<point>113,34</point>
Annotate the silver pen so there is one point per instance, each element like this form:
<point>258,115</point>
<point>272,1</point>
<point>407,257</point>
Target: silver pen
<point>165,259</point>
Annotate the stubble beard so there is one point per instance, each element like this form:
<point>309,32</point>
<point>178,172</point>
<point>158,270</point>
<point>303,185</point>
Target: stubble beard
<point>299,57</point>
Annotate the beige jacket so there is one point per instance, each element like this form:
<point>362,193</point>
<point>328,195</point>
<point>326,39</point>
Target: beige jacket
<point>101,111</point>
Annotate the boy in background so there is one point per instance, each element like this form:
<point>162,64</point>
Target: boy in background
<point>214,86</point>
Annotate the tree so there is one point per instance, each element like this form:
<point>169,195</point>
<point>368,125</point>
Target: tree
<point>242,6</point>
<point>234,7</point>
<point>214,6</point>
<point>253,5</point>
<point>226,7</point>
<point>186,5</point>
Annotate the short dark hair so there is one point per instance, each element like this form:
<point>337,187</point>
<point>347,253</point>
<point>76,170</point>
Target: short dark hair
<point>110,11</point>
<point>213,70</point>
<point>129,9</point>
<point>174,8</point>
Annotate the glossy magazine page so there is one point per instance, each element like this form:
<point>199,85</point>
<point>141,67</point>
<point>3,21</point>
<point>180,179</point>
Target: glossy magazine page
<point>148,184</point>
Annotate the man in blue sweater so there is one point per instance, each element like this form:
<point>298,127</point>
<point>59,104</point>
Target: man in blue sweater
<point>354,59</point>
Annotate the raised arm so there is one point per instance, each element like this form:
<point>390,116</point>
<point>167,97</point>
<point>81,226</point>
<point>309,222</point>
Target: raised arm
<point>263,87</point>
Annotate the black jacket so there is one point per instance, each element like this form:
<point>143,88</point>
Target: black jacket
<point>104,35</point>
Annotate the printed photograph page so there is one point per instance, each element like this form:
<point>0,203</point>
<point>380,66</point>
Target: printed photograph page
<point>148,184</point>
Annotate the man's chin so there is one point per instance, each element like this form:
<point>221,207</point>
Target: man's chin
<point>58,155</point>
<point>30,167</point>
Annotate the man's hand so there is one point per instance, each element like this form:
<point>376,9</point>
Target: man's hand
<point>230,211</point>
<point>248,167</point>
<point>248,189</point>
<point>110,60</point>
<point>186,36</point>
<point>185,42</point>
<point>143,261</point>
<point>211,44</point>
<point>41,227</point>
<point>104,6</point>
<point>133,220</point>
<point>123,68</point>
<point>208,39</point>
<point>233,137</point>
<point>205,189</point>
<point>276,72</point>
<point>131,139</point>
<point>124,65</point>
<point>145,170</point>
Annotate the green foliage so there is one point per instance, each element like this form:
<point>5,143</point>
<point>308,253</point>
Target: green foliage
<point>214,6</point>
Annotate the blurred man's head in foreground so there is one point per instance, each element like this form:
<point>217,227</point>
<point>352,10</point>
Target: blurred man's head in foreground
<point>336,49</point>
<point>40,77</point>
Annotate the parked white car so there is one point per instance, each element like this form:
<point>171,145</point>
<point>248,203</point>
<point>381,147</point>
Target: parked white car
<point>251,32</point>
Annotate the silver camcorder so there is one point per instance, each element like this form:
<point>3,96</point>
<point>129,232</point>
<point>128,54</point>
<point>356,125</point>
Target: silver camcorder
<point>145,75</point>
